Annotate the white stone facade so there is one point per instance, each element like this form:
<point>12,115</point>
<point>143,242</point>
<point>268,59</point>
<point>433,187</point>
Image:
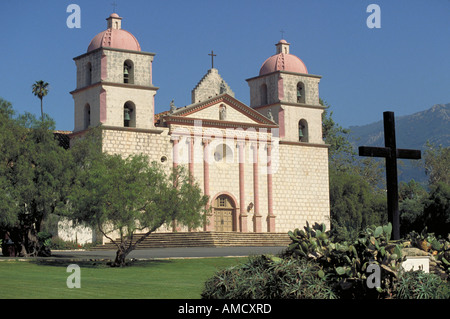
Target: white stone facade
<point>267,159</point>
<point>101,93</point>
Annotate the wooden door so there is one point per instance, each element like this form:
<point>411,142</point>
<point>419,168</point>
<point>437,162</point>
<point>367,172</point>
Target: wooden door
<point>223,220</point>
<point>223,214</point>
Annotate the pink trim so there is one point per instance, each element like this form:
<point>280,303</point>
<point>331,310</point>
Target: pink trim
<point>256,216</point>
<point>243,213</point>
<point>175,153</point>
<point>280,89</point>
<point>281,122</point>
<point>175,228</point>
<point>191,157</point>
<point>209,225</point>
<point>270,217</point>
<point>102,106</point>
<point>104,67</point>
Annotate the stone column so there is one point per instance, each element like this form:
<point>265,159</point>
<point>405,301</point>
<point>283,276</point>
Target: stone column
<point>190,140</point>
<point>175,160</point>
<point>256,215</point>
<point>242,211</point>
<point>175,165</point>
<point>209,224</point>
<point>270,216</point>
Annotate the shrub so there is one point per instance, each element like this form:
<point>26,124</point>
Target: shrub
<point>421,285</point>
<point>268,277</point>
<point>346,263</point>
<point>58,243</point>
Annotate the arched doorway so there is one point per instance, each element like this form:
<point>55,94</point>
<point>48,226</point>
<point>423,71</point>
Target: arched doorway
<point>224,213</point>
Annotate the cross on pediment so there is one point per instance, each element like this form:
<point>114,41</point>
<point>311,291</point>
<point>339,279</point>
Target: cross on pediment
<point>212,58</point>
<point>391,153</point>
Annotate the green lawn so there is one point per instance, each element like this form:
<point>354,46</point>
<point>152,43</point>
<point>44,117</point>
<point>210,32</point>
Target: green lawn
<point>156,279</point>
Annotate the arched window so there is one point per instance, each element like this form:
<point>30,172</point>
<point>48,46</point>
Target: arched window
<point>129,114</point>
<point>263,93</point>
<point>88,73</point>
<point>303,131</point>
<point>300,92</point>
<point>87,116</point>
<point>128,72</point>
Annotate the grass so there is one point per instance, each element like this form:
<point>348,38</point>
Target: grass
<point>155,279</point>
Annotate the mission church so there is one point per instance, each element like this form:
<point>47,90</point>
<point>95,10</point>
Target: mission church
<point>263,166</point>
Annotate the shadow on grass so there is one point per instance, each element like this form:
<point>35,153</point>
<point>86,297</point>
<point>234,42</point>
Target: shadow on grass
<point>97,263</point>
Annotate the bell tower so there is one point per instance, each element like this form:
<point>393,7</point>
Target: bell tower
<point>285,89</point>
<point>114,81</point>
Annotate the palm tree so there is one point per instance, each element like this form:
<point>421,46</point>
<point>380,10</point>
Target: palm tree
<point>40,89</point>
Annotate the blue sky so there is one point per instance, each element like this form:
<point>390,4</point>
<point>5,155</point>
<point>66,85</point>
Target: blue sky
<point>404,66</point>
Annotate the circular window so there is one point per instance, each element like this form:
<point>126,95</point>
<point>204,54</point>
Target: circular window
<point>223,152</point>
<point>163,159</point>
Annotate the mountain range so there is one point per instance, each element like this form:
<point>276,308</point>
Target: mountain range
<point>412,132</point>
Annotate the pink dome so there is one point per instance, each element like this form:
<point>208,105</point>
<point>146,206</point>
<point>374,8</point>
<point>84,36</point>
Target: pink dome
<point>114,37</point>
<point>283,61</point>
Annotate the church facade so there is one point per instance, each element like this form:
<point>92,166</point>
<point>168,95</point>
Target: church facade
<point>263,166</point>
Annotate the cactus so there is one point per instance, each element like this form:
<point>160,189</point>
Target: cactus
<point>347,262</point>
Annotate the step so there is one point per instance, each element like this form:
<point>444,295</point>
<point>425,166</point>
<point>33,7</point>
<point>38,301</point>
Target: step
<point>206,239</point>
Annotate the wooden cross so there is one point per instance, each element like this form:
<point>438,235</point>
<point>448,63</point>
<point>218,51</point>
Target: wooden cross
<point>390,153</point>
<point>212,58</point>
<point>282,33</point>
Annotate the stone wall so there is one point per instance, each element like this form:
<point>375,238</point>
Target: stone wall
<point>209,86</point>
<point>127,141</point>
<point>142,66</point>
<point>311,88</point>
<point>300,179</point>
<point>301,187</point>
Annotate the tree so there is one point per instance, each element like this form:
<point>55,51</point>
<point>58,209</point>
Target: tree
<point>35,179</point>
<point>354,204</point>
<point>436,212</point>
<point>40,89</point>
<point>340,152</point>
<point>412,196</point>
<point>121,196</point>
<point>356,200</point>
<point>9,132</point>
<point>420,208</point>
<point>437,164</point>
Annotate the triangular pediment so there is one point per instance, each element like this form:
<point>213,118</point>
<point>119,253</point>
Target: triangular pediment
<point>222,109</point>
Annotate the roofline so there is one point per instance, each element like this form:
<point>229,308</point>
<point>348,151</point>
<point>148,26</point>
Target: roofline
<point>117,128</point>
<point>281,103</point>
<point>254,115</point>
<point>285,72</point>
<point>124,85</point>
<point>190,121</point>
<point>114,49</point>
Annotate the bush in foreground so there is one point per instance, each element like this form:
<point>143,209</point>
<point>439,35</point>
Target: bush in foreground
<point>315,266</point>
<point>268,277</point>
<point>421,285</point>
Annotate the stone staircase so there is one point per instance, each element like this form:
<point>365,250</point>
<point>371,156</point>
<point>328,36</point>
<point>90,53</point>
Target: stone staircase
<point>207,239</point>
